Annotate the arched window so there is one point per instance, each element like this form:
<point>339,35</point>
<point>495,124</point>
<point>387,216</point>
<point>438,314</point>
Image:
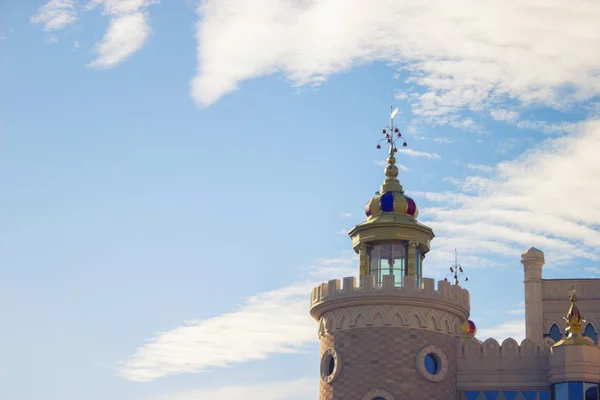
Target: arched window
<point>555,333</point>
<point>591,333</point>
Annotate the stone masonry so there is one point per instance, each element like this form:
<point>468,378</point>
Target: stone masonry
<point>385,358</point>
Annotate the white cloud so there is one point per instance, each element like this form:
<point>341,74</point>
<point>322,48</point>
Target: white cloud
<point>346,215</point>
<point>299,389</point>
<point>480,167</point>
<point>55,14</point>
<point>510,329</point>
<point>459,55</point>
<point>546,198</point>
<point>505,115</point>
<point>274,322</point>
<point>442,140</point>
<point>414,153</point>
<point>76,44</point>
<point>550,128</point>
<point>128,31</point>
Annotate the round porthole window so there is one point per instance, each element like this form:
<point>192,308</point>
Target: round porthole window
<point>378,394</point>
<point>331,365</point>
<point>432,363</point>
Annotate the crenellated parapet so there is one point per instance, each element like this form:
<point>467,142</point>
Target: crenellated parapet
<point>339,306</point>
<point>508,366</point>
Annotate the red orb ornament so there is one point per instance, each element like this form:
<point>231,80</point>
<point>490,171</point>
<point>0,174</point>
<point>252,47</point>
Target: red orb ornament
<point>383,131</point>
<point>378,146</point>
<point>389,141</point>
<point>396,130</point>
<point>395,150</point>
<point>468,329</point>
<point>404,144</point>
<point>399,135</point>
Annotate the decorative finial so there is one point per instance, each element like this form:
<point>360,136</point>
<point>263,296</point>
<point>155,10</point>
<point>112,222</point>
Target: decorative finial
<point>456,270</point>
<point>574,319</point>
<point>391,135</point>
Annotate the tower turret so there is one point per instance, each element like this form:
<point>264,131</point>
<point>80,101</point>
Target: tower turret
<point>391,334</point>
<point>533,261</point>
<point>391,241</point>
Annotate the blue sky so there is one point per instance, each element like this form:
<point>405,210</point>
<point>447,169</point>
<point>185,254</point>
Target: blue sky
<point>177,176</point>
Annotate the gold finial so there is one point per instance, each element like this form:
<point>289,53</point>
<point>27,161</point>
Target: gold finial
<point>574,319</point>
<point>391,135</point>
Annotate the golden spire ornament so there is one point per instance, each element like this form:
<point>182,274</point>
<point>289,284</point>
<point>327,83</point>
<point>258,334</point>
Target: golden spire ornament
<point>392,135</point>
<point>574,323</point>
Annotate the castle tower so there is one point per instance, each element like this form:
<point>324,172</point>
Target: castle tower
<point>533,261</point>
<point>390,335</point>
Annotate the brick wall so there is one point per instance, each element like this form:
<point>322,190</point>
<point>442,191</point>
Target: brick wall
<point>385,358</point>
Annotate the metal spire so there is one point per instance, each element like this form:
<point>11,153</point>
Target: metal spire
<point>456,270</point>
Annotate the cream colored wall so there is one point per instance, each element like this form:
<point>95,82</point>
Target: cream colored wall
<point>555,301</point>
<point>574,363</point>
<point>510,366</point>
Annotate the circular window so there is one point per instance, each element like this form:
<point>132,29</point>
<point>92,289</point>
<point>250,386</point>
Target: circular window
<point>378,394</point>
<point>432,363</point>
<point>331,365</point>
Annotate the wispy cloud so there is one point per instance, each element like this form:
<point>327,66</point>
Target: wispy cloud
<point>55,14</point>
<point>415,153</point>
<point>510,329</point>
<point>273,322</point>
<point>480,167</point>
<point>442,140</point>
<point>505,115</point>
<point>459,55</point>
<point>299,389</point>
<point>127,32</point>
<point>543,199</point>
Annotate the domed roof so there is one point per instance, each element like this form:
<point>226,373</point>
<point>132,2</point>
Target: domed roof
<point>532,252</point>
<point>391,198</point>
<point>393,202</point>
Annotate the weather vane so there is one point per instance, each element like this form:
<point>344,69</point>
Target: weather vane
<point>456,270</point>
<point>391,134</point>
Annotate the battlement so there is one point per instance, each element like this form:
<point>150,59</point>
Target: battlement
<point>523,366</point>
<point>335,294</point>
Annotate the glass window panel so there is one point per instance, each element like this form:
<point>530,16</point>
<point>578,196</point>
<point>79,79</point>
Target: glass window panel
<point>591,333</point>
<point>575,390</point>
<point>510,395</point>
<point>555,333</point>
<point>388,258</point>
<point>544,395</point>
<point>591,391</point>
<point>529,395</point>
<point>490,395</point>
<point>560,391</point>
<point>471,395</point>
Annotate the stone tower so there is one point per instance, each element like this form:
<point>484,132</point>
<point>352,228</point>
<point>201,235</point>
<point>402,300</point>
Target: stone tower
<point>391,334</point>
<point>533,261</point>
